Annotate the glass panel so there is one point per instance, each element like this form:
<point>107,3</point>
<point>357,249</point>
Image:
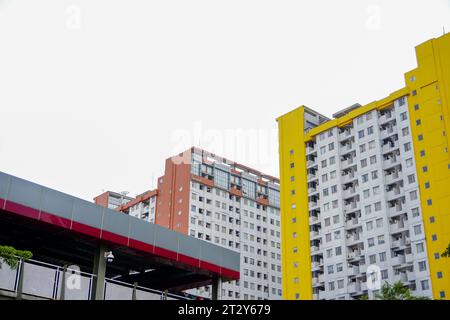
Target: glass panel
<point>77,286</point>
<point>145,295</point>
<point>38,281</point>
<point>117,292</point>
<point>7,277</point>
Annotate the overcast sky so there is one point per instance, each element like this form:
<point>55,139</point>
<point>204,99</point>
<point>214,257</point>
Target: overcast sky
<point>94,95</point>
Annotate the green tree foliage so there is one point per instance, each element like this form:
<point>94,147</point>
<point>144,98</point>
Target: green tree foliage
<point>11,256</point>
<point>396,291</point>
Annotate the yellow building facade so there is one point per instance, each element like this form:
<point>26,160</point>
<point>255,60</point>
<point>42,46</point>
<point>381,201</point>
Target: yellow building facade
<point>427,91</point>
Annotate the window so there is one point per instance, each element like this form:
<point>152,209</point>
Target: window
<point>432,219</point>
<point>425,285</point>
<point>332,175</point>
<point>332,160</point>
<point>380,239</point>
<point>330,269</point>
<point>364,163</point>
<point>376,190</point>
<point>369,130</point>
<point>365,177</point>
<point>413,195</point>
<point>382,256</point>
<point>327,222</point>
<point>372,259</point>
<point>328,237</point>
<point>361,134</point>
<point>331,147</point>
<point>407,146</point>
<point>403,116</point>
<point>425,169</point>
<point>339,267</point>
<point>373,159</point>
<point>362,148</point>
<point>371,144</point>
<point>429,202</point>
<point>384,274</point>
<point>416,107</point>
<point>422,266</point>
<point>405,131</point>
<point>371,242</point>
<point>434,237</point>
<point>411,178</point>
<point>324,163</point>
<point>340,284</point>
<point>422,153</point>
<point>331,286</point>
<point>368,209</point>
<point>336,219</point>
<point>419,247</point>
<point>409,162</point>
<point>420,137</point>
<point>374,175</point>
<point>378,206</point>
<point>292,165</point>
<point>369,225</point>
<point>323,150</point>
<point>418,122</point>
<point>379,223</point>
<point>366,193</point>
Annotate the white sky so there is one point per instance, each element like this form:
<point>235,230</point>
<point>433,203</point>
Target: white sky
<point>97,94</point>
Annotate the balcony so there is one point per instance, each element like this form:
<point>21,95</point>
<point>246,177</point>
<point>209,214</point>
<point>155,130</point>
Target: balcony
<point>311,163</point>
<point>314,219</point>
<point>393,177</point>
<point>352,223</point>
<point>386,117</point>
<point>389,147</point>
<point>313,204</point>
<point>398,260</point>
<point>395,210</point>
<point>411,276</point>
<point>351,207</point>
<point>346,178</point>
<point>314,234</point>
<point>409,258</point>
<point>348,193</point>
<point>346,134</point>
<point>391,162</point>
<point>398,227</point>
<point>347,163</point>
<point>398,243</point>
<point>353,271</point>
<point>312,190</point>
<point>354,287</point>
<point>402,277</point>
<point>394,194</point>
<point>386,133</point>
<point>315,249</point>
<point>311,176</point>
<point>354,239</point>
<point>310,149</point>
<point>344,149</point>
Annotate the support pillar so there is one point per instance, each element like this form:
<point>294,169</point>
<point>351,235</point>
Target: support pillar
<point>216,289</point>
<point>98,281</point>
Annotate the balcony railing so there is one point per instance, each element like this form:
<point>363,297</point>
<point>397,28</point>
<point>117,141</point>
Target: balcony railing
<point>45,281</point>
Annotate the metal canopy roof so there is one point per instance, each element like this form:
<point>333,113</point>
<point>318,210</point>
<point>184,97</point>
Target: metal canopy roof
<point>60,228</point>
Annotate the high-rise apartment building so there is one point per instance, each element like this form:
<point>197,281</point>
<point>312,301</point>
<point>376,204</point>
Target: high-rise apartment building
<point>225,203</point>
<point>370,187</point>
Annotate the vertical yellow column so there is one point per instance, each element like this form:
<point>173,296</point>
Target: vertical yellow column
<point>295,243</point>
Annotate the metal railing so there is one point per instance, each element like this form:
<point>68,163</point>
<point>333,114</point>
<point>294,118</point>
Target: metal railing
<point>39,280</point>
